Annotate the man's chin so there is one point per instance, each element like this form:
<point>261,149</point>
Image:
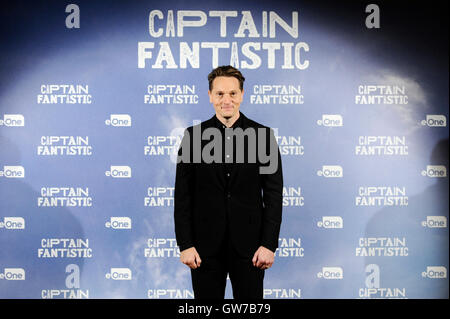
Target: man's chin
<point>227,115</point>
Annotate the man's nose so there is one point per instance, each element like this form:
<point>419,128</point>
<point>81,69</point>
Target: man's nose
<point>227,98</point>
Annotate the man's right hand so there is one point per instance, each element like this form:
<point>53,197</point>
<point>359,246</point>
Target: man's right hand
<point>191,258</point>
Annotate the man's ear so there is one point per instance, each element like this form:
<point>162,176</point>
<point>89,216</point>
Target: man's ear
<point>210,97</point>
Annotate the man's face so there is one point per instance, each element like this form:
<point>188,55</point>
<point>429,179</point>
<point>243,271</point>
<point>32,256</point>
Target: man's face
<point>226,96</point>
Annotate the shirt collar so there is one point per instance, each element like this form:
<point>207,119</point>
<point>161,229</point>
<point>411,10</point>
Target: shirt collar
<point>238,123</point>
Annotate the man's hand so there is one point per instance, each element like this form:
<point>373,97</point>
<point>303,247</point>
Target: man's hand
<point>263,258</point>
<point>191,258</point>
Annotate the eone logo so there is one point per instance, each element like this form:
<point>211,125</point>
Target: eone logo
<point>331,171</point>
<point>331,120</point>
<point>119,172</point>
<point>433,120</point>
<point>119,120</point>
<point>13,274</point>
<point>119,223</point>
<point>435,222</point>
<point>435,272</point>
<point>13,120</point>
<point>13,172</point>
<point>435,171</point>
<point>331,273</point>
<point>13,223</point>
<point>331,222</point>
<point>119,274</point>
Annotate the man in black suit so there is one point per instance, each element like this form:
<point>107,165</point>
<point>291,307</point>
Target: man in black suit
<point>228,195</point>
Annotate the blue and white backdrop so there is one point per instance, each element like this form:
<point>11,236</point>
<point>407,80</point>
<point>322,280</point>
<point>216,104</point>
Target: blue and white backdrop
<point>94,98</point>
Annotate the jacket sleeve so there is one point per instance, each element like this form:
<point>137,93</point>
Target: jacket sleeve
<point>272,187</point>
<point>183,194</point>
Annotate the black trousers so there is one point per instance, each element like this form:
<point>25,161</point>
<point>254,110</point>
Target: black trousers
<point>209,280</point>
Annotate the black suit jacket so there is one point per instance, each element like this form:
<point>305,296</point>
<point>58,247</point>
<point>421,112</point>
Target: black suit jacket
<point>208,202</point>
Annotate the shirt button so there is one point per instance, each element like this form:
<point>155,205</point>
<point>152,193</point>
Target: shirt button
<point>228,174</point>
<point>228,156</point>
<point>229,195</point>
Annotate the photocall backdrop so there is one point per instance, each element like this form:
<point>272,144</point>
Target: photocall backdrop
<point>95,96</point>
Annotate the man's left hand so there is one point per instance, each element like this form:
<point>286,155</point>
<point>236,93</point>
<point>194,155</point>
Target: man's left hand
<point>263,258</point>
